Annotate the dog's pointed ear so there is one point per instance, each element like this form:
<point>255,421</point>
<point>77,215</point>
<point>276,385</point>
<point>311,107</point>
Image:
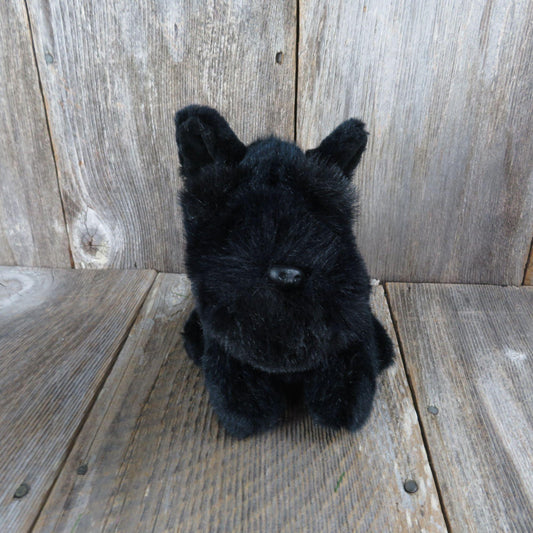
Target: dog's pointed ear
<point>344,146</point>
<point>204,137</point>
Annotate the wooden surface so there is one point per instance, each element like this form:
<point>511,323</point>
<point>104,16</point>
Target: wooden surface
<point>159,461</point>
<point>114,74</point>
<point>528,277</point>
<point>156,458</point>
<point>32,227</point>
<point>446,184</point>
<point>469,352</point>
<point>445,88</point>
<point>59,333</point>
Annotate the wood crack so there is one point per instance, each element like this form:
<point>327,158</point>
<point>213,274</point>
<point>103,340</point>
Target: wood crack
<point>47,119</point>
<point>416,406</point>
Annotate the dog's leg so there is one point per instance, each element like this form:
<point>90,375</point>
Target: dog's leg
<point>383,344</point>
<point>245,399</point>
<point>341,394</point>
<point>194,338</point>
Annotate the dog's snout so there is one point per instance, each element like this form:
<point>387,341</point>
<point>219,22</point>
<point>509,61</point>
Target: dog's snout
<point>286,276</point>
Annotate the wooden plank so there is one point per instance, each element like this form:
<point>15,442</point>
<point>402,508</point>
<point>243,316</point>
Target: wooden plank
<point>528,277</point>
<point>32,227</point>
<point>158,460</point>
<point>113,76</point>
<point>469,352</point>
<point>445,88</point>
<point>60,331</point>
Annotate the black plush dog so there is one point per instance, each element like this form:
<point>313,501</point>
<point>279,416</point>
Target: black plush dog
<point>282,294</point>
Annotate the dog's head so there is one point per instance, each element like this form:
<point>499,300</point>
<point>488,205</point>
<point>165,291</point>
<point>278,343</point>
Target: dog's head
<point>276,274</point>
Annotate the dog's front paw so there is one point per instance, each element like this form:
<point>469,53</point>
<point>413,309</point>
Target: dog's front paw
<point>344,407</point>
<point>246,400</point>
<point>341,395</point>
<point>245,419</point>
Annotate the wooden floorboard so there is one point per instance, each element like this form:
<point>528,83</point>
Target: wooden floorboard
<point>157,459</point>
<point>59,333</point>
<point>528,275</point>
<point>469,353</point>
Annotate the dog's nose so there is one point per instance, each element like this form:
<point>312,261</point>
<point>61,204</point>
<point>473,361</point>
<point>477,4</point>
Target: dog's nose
<point>286,276</point>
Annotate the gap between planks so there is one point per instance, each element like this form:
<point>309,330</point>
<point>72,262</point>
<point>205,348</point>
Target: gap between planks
<point>153,434</point>
<point>61,331</point>
<point>296,65</point>
<point>528,270</point>
<point>49,133</point>
<point>468,350</point>
<point>97,392</point>
<point>417,407</point>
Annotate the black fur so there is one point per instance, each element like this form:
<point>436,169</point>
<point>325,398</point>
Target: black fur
<point>247,210</point>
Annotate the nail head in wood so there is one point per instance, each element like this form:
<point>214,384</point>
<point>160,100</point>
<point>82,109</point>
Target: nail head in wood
<point>434,410</point>
<point>410,486</point>
<point>82,470</point>
<point>21,491</point>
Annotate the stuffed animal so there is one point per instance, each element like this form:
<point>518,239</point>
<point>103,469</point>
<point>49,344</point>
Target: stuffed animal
<point>281,292</point>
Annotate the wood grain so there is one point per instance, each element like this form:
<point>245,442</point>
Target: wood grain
<point>528,277</point>
<point>60,331</point>
<point>159,461</point>
<point>469,352</point>
<point>445,88</point>
<point>113,76</point>
<point>32,227</point>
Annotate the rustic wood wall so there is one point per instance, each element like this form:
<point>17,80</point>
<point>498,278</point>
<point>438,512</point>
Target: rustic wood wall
<point>32,227</point>
<point>112,77</point>
<point>446,89</point>
<point>89,169</point>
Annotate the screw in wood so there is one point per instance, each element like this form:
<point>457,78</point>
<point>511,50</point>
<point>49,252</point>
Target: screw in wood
<point>21,491</point>
<point>410,486</point>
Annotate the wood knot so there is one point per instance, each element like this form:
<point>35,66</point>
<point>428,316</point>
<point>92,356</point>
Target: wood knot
<point>94,239</point>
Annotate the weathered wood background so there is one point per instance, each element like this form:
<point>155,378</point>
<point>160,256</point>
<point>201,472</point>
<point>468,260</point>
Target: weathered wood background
<point>60,333</point>
<point>107,422</point>
<point>89,170</point>
<point>468,351</point>
<point>158,460</point>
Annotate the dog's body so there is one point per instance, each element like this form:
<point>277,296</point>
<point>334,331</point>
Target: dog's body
<point>282,294</point>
